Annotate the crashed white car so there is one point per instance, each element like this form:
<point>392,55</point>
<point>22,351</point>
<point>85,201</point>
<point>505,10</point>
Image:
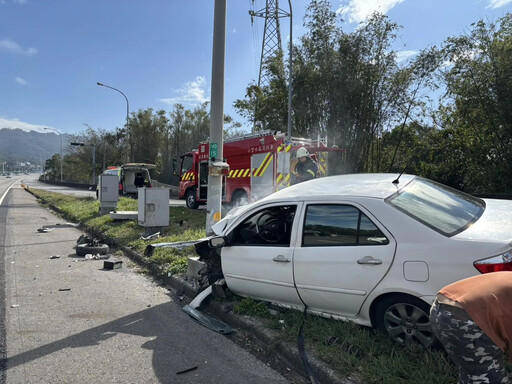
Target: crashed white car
<point>370,248</point>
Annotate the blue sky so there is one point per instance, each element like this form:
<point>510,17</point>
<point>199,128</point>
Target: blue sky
<point>159,52</point>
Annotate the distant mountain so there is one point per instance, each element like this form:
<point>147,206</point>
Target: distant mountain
<point>34,147</point>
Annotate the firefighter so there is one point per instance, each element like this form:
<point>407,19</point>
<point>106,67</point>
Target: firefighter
<point>303,167</point>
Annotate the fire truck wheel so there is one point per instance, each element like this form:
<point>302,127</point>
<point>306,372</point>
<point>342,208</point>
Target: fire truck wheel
<point>239,198</point>
<point>190,199</point>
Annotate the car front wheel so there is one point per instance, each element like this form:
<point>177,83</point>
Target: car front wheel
<point>405,319</point>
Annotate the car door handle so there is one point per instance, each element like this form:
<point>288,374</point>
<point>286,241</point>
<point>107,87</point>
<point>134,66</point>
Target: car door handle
<point>369,260</point>
<point>281,259</point>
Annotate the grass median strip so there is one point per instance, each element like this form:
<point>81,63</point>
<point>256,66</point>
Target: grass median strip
<point>349,349</point>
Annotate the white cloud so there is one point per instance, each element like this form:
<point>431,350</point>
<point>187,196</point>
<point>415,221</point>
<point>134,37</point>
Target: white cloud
<point>16,123</point>
<point>21,2</point>
<point>21,81</point>
<point>10,46</point>
<point>405,55</point>
<point>498,3</point>
<point>192,93</point>
<point>358,10</point>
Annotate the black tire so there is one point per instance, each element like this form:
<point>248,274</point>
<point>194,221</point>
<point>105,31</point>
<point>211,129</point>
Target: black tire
<point>239,198</point>
<point>84,249</point>
<point>190,199</point>
<point>405,320</point>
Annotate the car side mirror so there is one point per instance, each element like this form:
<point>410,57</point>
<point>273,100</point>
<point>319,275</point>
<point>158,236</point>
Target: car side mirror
<point>217,242</point>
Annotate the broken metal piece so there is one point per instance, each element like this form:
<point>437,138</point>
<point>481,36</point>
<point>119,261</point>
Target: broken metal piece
<point>54,257</point>
<point>150,237</point>
<point>186,370</point>
<point>205,320</point>
<point>208,321</point>
<point>178,245</point>
<point>196,303</point>
<point>44,230</point>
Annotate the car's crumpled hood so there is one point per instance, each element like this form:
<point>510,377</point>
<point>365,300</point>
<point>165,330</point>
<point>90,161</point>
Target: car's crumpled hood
<point>495,224</point>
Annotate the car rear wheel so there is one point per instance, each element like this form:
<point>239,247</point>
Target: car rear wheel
<point>405,319</point>
<point>190,199</point>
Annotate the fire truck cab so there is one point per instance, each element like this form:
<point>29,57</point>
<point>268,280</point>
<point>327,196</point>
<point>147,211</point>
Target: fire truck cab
<point>259,164</point>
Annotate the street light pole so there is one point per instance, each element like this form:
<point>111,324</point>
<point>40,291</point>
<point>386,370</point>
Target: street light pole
<point>127,116</point>
<point>53,129</point>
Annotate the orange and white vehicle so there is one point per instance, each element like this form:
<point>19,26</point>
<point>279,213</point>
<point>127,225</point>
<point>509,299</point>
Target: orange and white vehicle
<point>259,164</point>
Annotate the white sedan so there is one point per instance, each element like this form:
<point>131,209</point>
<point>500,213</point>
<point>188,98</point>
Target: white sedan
<point>370,248</point>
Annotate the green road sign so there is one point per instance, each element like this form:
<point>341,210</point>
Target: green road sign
<point>213,150</point>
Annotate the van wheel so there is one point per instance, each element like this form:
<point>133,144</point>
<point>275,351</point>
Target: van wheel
<point>405,319</point>
<point>190,199</point>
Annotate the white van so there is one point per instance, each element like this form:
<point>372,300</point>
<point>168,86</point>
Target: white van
<point>131,176</point>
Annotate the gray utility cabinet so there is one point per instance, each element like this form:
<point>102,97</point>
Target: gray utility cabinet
<point>108,193</point>
<point>153,207</point>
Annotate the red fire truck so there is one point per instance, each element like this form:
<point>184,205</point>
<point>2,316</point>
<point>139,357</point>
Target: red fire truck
<point>259,164</point>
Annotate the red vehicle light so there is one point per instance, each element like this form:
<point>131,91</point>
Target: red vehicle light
<point>498,263</point>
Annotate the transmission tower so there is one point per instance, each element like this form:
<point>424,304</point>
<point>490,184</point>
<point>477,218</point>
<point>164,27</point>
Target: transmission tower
<point>271,44</point>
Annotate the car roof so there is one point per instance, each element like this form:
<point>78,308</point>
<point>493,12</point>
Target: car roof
<point>138,166</point>
<point>372,185</point>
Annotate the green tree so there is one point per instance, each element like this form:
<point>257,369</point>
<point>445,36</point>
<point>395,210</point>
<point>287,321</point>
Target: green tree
<point>476,110</point>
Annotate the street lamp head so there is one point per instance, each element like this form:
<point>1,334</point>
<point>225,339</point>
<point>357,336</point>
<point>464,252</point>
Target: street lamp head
<point>100,84</point>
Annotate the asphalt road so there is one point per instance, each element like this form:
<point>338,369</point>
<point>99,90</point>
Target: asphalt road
<point>67,320</point>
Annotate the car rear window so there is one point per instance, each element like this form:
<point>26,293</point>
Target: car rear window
<point>438,206</point>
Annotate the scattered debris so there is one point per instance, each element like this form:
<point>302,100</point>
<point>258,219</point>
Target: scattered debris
<point>44,230</point>
<point>219,288</point>
<point>15,306</point>
<point>151,237</point>
<point>205,320</point>
<point>54,257</point>
<point>187,370</point>
<point>86,245</point>
<point>49,228</point>
<point>64,289</point>
<point>180,245</point>
<point>112,264</point>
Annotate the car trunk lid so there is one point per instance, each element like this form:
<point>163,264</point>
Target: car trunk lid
<point>495,224</point>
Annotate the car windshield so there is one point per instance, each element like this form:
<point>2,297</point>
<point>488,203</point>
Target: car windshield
<point>442,208</point>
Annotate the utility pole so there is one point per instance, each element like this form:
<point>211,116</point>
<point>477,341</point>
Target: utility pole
<point>214,202</point>
<point>271,46</point>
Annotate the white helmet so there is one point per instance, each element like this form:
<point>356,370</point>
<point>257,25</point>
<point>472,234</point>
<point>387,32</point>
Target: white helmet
<point>302,152</point>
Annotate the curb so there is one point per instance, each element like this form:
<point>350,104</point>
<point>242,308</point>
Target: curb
<point>285,352</point>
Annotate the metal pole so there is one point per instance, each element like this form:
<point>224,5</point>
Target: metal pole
<point>127,116</point>
<point>61,159</point>
<point>214,203</point>
<point>290,76</point>
<point>93,164</point>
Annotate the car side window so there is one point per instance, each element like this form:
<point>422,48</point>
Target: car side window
<point>270,226</point>
<point>329,225</point>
